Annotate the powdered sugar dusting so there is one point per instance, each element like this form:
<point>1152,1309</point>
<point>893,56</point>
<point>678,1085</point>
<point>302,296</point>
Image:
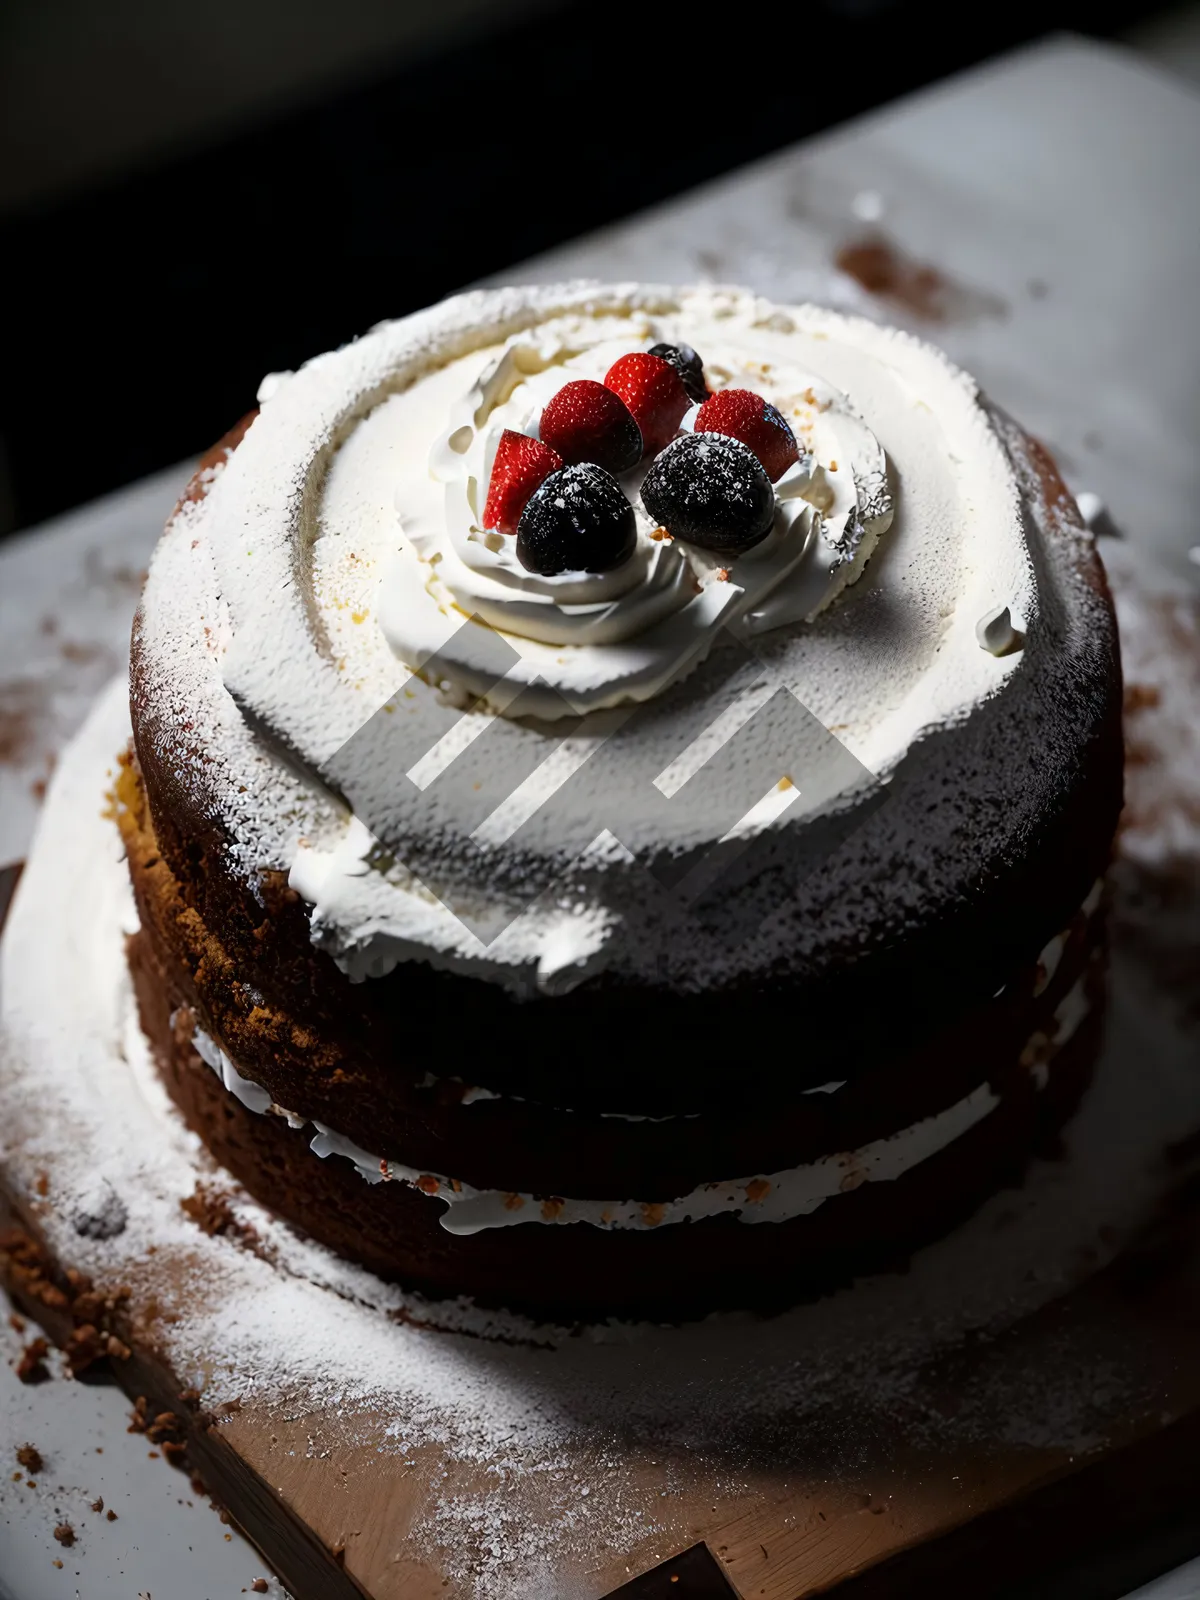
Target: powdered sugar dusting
<point>254,603</point>
<point>541,1446</point>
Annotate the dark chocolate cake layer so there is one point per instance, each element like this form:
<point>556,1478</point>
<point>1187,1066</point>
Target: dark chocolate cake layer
<point>513,1143</point>
<point>580,1271</point>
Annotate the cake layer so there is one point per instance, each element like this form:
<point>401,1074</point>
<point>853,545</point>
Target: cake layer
<point>440,1121</point>
<point>567,1270</point>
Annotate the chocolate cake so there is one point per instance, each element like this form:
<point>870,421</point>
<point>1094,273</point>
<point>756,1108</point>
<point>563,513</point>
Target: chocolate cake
<point>621,786</point>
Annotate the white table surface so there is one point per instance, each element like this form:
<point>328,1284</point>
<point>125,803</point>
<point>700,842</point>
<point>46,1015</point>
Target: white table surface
<point>1056,189</point>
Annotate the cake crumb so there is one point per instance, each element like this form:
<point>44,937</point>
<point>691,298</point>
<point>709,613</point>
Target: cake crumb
<point>65,1534</point>
<point>110,1516</point>
<point>32,1366</point>
<point>30,1458</point>
<point>98,1503</point>
<point>259,1586</point>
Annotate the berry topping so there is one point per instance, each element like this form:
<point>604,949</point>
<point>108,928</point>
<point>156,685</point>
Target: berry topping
<point>746,416</point>
<point>687,364</point>
<point>712,491</point>
<point>521,464</point>
<point>654,393</point>
<point>587,422</point>
<point>578,520</point>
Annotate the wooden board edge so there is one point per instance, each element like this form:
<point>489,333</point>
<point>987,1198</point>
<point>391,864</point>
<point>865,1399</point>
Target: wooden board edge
<point>302,1562</point>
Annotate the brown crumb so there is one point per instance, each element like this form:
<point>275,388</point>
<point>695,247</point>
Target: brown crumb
<point>84,1348</point>
<point>32,1366</point>
<point>42,1184</point>
<point>16,1322</point>
<point>56,1562</point>
<point>212,1213</point>
<point>98,1503</point>
<point>259,1586</point>
<point>1140,697</point>
<point>30,1458</point>
<point>65,1534</point>
<point>137,1417</point>
<point>153,1455</point>
<point>110,1516</point>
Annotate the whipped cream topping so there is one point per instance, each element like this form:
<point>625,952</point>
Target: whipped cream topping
<point>629,632</point>
<point>271,613</point>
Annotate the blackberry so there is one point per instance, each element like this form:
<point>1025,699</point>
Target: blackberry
<point>712,491</point>
<point>577,520</point>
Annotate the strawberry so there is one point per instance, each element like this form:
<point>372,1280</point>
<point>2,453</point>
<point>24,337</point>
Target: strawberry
<point>741,414</point>
<point>587,422</point>
<point>654,393</point>
<point>520,466</point>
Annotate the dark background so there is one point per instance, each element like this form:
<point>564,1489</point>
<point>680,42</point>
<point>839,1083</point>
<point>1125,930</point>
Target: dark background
<point>190,197</point>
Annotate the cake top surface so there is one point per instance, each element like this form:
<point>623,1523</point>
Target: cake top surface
<point>347,600</point>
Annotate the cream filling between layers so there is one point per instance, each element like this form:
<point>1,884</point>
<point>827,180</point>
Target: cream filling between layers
<point>762,1197</point>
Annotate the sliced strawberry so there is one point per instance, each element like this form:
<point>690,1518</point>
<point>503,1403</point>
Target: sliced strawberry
<point>743,415</point>
<point>654,393</point>
<point>587,422</point>
<point>520,466</point>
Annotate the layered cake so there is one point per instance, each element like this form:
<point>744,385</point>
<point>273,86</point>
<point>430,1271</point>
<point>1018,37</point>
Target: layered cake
<point>621,785</point>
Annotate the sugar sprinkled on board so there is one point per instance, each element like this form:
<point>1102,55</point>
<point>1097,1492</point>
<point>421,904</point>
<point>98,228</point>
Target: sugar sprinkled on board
<point>542,1444</point>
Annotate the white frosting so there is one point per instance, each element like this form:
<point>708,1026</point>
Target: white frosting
<point>632,631</point>
<point>270,605</point>
<point>252,1095</point>
<point>1052,954</point>
<point>995,631</point>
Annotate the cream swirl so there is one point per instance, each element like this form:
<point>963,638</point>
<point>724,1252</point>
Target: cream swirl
<point>601,639</point>
<point>306,566</point>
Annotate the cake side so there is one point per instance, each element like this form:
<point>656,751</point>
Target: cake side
<point>893,996</point>
<point>530,1252</point>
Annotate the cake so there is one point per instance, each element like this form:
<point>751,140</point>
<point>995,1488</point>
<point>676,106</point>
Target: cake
<point>621,786</point>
